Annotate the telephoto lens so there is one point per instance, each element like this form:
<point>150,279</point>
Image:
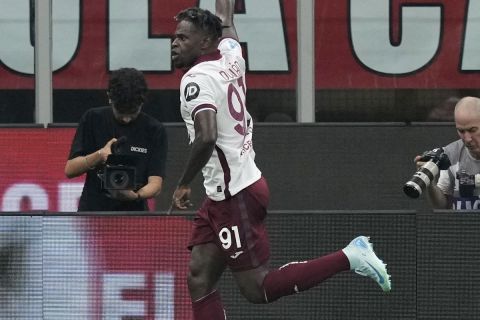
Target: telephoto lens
<point>436,160</point>
<point>421,180</point>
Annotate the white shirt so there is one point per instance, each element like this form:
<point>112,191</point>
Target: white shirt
<point>218,83</point>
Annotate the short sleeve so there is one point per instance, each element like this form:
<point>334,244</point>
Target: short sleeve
<point>82,140</point>
<point>230,46</point>
<point>198,94</point>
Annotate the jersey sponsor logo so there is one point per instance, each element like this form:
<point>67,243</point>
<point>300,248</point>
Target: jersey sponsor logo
<point>138,149</point>
<point>232,43</point>
<point>192,90</point>
<point>246,147</point>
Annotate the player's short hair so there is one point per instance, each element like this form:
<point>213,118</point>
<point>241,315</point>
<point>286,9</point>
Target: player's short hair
<point>204,20</point>
<point>127,89</point>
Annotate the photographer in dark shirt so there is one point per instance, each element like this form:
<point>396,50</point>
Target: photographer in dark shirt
<point>127,130</point>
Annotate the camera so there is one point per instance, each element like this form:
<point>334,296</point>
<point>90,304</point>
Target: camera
<point>119,177</point>
<point>467,183</point>
<point>435,160</point>
<point>120,171</point>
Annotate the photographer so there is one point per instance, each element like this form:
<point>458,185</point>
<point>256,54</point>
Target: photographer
<point>122,129</point>
<point>456,187</point>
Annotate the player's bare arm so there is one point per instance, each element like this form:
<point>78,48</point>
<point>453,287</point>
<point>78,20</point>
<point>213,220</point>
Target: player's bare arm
<point>224,10</point>
<point>201,150</point>
<point>202,147</point>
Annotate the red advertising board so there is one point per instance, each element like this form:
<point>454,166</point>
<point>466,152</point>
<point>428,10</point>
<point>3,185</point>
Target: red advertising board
<point>139,267</point>
<point>446,31</point>
<point>32,167</point>
<point>93,49</point>
<point>76,267</point>
<point>111,267</point>
<point>32,171</point>
<point>359,43</point>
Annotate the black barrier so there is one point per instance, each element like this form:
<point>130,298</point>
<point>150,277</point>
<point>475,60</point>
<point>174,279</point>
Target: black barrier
<point>448,265</point>
<point>69,266</point>
<point>335,166</point>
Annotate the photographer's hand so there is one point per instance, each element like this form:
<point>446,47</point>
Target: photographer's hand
<point>107,149</point>
<point>81,164</point>
<point>417,161</point>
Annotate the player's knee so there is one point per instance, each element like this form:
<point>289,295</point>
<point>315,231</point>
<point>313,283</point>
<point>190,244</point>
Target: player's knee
<point>197,285</point>
<point>194,277</point>
<point>198,280</point>
<point>250,284</point>
<point>253,294</point>
<point>256,300</point>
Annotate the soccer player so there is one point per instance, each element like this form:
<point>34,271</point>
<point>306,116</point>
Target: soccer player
<point>229,228</point>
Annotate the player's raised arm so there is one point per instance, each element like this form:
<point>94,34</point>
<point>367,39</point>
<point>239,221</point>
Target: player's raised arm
<point>224,10</point>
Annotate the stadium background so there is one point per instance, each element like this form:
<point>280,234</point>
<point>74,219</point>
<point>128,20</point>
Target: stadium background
<point>330,180</point>
<point>76,266</point>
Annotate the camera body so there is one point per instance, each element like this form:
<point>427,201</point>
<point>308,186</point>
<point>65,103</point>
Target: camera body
<point>467,183</point>
<point>119,177</point>
<point>435,160</point>
<point>119,173</point>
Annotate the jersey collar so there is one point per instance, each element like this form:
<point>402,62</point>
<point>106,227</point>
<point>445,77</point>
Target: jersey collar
<point>215,55</point>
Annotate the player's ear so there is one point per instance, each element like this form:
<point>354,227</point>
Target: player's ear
<point>207,43</point>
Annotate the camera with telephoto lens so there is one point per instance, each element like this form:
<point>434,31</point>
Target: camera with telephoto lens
<point>120,171</point>
<point>435,160</point>
<point>467,183</point>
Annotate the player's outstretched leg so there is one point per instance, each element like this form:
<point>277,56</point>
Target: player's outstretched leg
<point>295,277</point>
<point>365,262</point>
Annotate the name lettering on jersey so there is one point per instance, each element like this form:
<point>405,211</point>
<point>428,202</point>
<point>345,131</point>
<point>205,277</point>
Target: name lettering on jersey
<point>192,90</point>
<point>246,146</point>
<point>138,149</point>
<point>231,73</point>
